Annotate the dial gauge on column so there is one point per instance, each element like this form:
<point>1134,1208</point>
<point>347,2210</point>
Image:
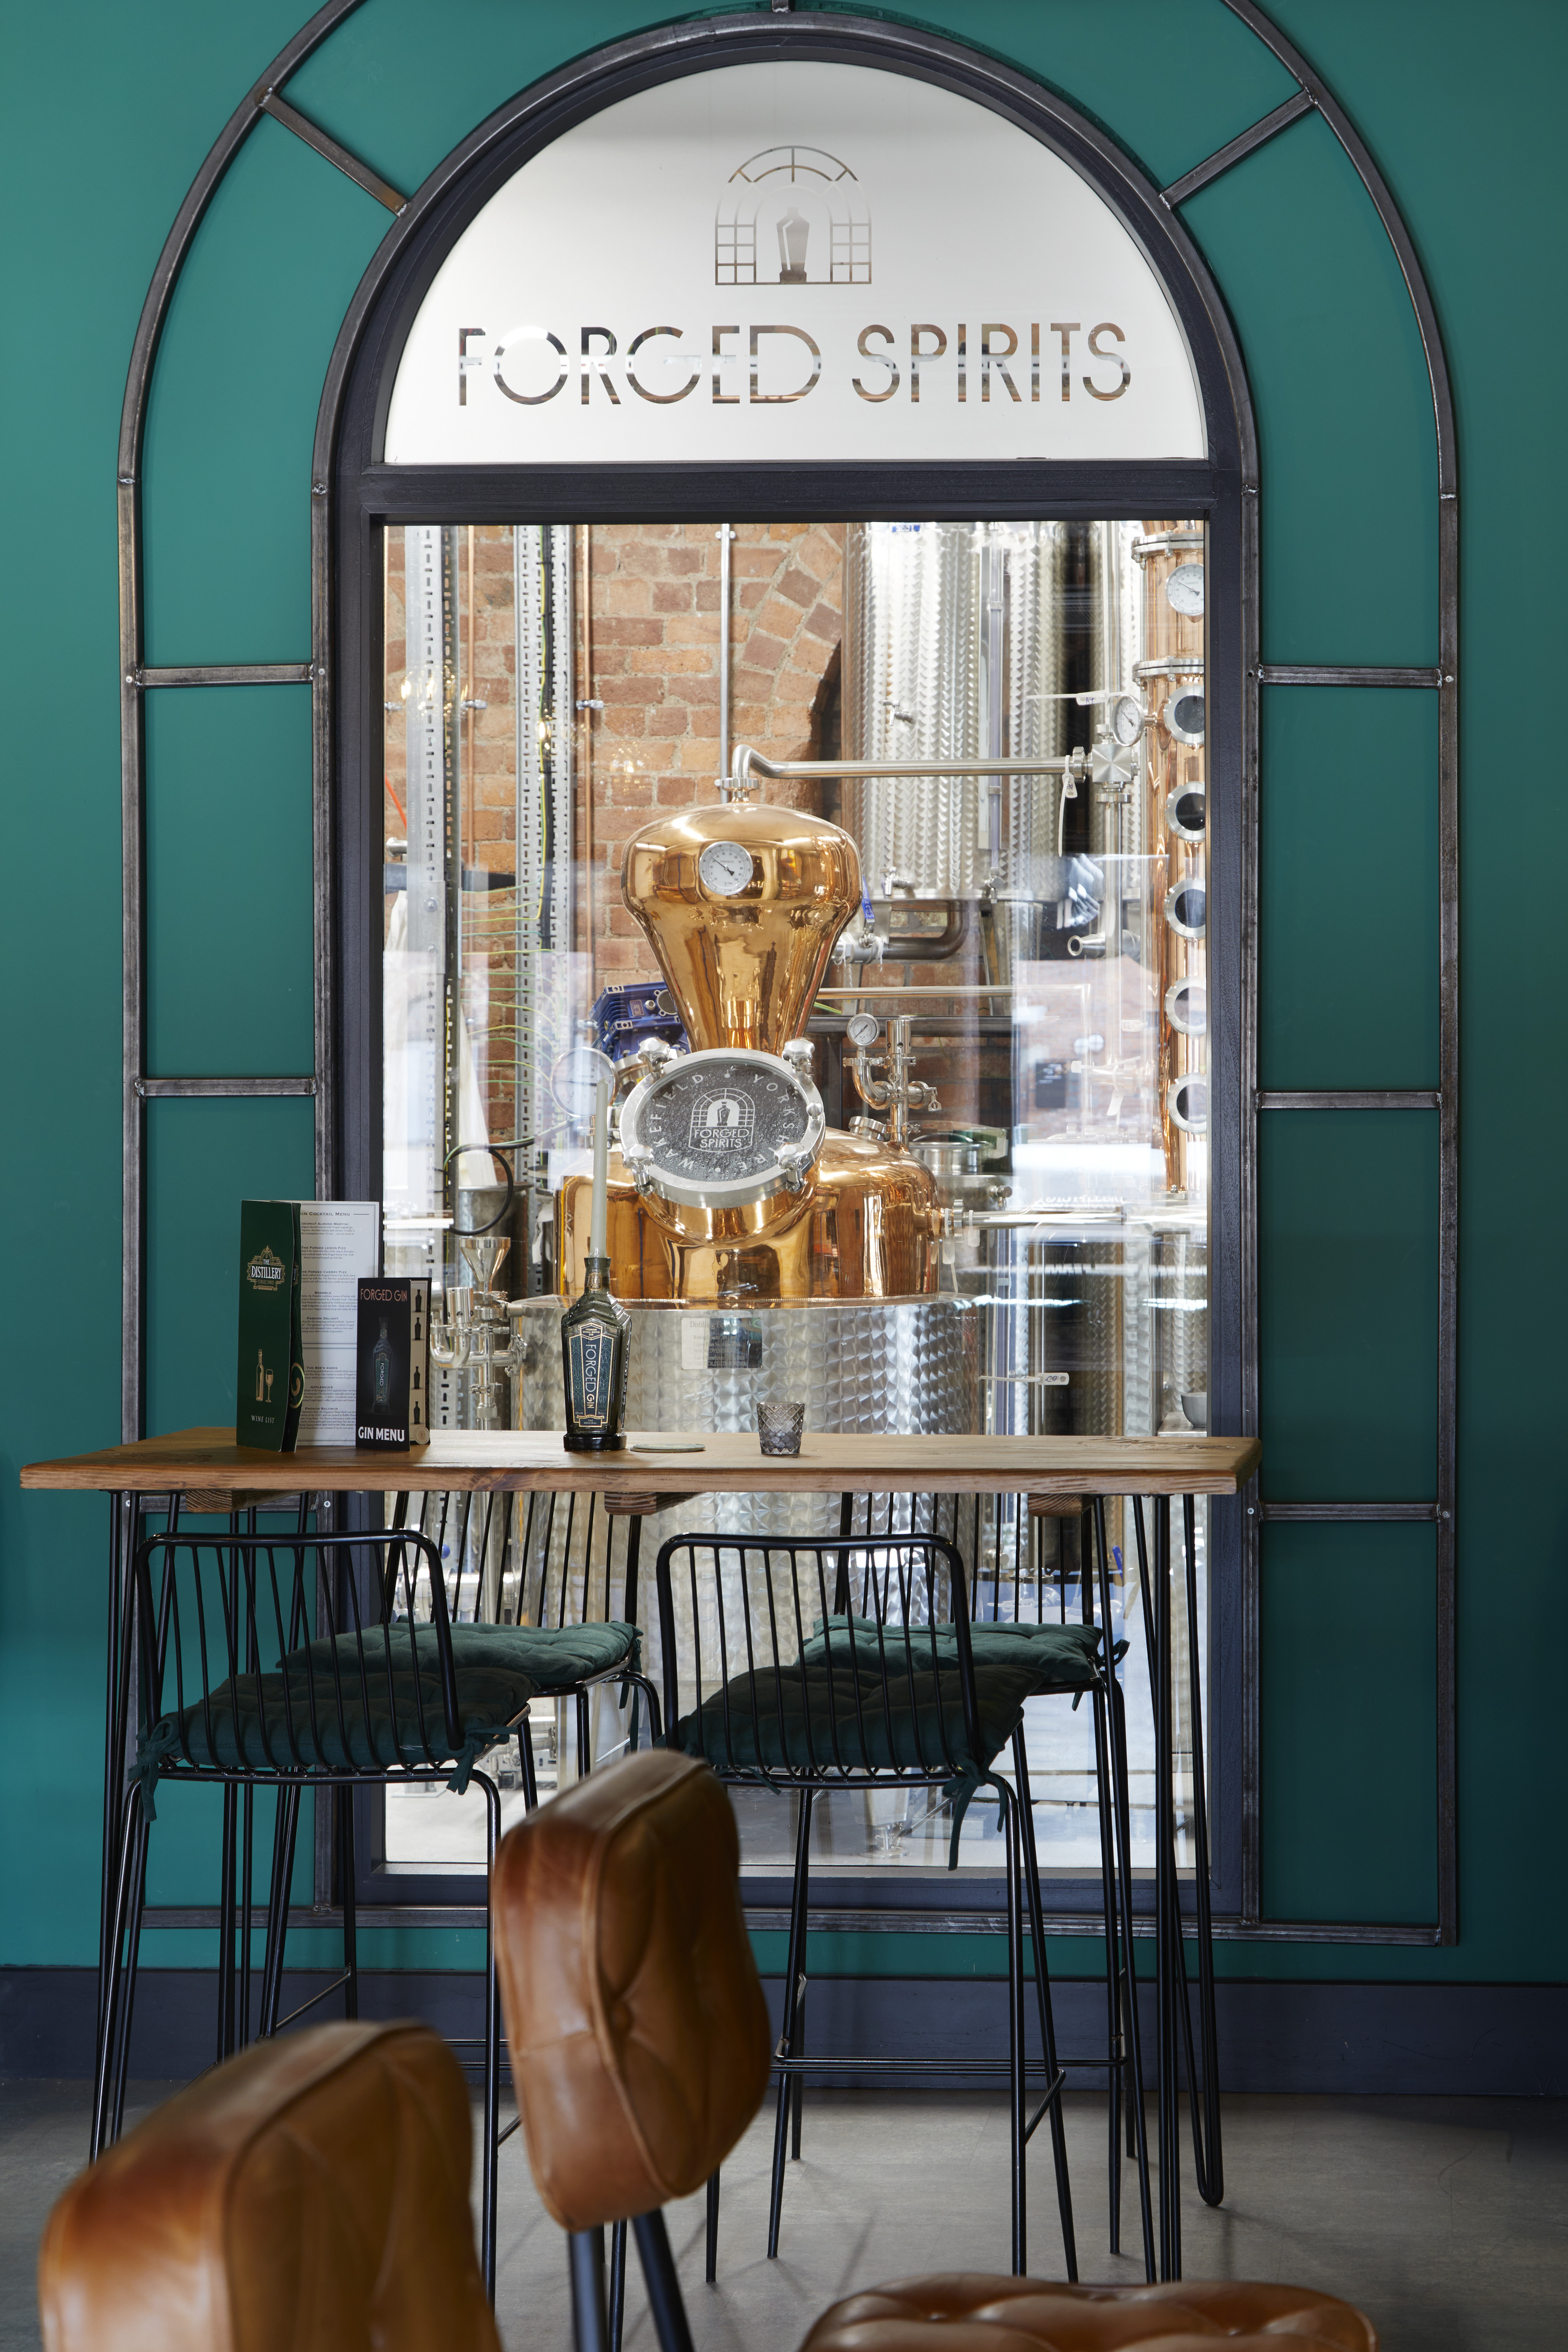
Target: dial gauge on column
<point>1184,590</point>
<point>1128,720</point>
<point>722,1129</point>
<point>725,868</point>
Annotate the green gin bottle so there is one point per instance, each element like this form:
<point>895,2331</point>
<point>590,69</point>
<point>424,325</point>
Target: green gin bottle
<point>593,1334</point>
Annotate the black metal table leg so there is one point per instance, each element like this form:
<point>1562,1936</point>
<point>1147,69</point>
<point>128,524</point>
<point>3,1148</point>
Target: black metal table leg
<point>121,1554</point>
<point>1122,1806</point>
<point>1208,2155</point>
<point>1166,1898</point>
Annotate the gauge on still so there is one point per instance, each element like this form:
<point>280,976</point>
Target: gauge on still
<point>1184,590</point>
<point>574,1080</point>
<point>1128,720</point>
<point>725,868</point>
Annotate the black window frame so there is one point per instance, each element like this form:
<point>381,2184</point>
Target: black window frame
<point>356,495</point>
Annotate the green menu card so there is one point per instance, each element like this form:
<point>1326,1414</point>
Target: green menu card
<point>271,1381</point>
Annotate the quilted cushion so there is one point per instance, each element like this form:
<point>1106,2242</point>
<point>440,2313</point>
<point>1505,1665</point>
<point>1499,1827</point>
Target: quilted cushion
<point>1062,1657</point>
<point>560,1657</point>
<point>977,2313</point>
<point>819,1713</point>
<point>334,1704</point>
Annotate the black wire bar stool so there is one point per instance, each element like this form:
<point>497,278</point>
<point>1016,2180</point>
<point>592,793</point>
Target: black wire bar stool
<point>822,1665</point>
<point>322,1662</point>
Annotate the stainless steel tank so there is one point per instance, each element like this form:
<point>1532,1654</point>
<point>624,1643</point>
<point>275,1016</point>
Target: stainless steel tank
<point>905,1366</point>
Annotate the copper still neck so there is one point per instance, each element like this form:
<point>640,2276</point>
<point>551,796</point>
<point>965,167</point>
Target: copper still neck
<point>744,953</point>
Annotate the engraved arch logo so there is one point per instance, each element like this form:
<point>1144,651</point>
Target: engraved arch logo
<point>792,216</point>
<point>723,1122</point>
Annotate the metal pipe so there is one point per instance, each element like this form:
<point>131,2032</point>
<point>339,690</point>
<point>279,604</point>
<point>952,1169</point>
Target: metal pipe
<point>748,761</point>
<point>893,989</point>
<point>726,536</point>
<point>585,704</point>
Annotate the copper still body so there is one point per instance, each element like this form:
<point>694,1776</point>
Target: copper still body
<point>742,904</point>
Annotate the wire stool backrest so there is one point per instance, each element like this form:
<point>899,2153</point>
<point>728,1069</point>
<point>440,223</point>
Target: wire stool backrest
<point>808,1654</point>
<point>277,1644</point>
<point>527,1560</point>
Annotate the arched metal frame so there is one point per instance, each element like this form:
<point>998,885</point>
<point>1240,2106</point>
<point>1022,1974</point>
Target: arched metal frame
<point>346,451</point>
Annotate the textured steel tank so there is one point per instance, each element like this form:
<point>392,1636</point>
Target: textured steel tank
<point>901,1366</point>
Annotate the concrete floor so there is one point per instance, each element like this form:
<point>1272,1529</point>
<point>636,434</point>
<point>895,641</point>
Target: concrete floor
<point>1445,2220</point>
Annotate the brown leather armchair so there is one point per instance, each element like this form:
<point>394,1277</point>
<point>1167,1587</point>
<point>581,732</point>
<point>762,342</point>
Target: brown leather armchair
<point>639,2048</point>
<point>310,2195</point>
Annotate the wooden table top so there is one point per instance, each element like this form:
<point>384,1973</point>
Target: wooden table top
<point>207,1462</point>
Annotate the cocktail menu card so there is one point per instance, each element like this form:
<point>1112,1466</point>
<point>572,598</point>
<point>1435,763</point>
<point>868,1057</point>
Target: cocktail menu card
<point>271,1378</point>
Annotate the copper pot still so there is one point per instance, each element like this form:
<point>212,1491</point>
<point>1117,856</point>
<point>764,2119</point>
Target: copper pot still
<point>742,903</point>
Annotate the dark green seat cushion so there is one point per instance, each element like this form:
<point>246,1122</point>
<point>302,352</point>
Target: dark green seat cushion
<point>318,1711</point>
<point>559,1657</point>
<point>821,1712</point>
<point>1062,1657</point>
<point>806,1717</point>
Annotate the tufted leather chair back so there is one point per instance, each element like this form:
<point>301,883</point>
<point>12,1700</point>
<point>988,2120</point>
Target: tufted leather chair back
<point>634,2018</point>
<point>310,2196</point>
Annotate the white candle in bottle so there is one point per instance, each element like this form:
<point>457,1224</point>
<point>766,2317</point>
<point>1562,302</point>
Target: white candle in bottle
<point>598,1217</point>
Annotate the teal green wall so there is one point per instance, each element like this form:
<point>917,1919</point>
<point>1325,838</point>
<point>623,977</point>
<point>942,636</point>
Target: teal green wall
<point>110,112</point>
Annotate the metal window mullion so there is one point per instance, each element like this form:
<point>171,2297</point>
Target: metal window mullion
<point>133,739</point>
<point>1446,681</point>
<point>1245,142</point>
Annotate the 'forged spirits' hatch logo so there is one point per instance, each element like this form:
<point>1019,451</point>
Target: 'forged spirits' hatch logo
<point>805,203</point>
<point>723,1122</point>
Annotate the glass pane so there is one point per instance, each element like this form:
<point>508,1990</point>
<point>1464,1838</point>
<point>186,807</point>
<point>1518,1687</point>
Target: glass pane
<point>1029,941</point>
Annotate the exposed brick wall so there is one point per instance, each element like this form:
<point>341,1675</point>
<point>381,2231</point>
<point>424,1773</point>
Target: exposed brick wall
<point>654,625</point>
<point>648,649</point>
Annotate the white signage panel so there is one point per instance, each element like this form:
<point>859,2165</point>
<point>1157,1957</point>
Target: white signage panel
<point>797,261</point>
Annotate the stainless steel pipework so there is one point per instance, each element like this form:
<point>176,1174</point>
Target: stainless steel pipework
<point>898,1094</point>
<point>749,763</point>
<point>726,537</point>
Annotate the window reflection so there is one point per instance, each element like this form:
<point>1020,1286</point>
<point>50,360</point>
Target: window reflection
<point>551,689</point>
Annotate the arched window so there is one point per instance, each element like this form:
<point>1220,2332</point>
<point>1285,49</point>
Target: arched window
<point>980,481</point>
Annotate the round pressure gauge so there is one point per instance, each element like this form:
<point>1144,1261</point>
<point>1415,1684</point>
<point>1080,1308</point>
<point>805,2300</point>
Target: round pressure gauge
<point>1186,810</point>
<point>864,1029</point>
<point>1185,589</point>
<point>1187,1007</point>
<point>1187,1100</point>
<point>1187,907</point>
<point>1128,720</point>
<point>725,868</point>
<point>723,1129</point>
<point>1184,714</point>
<point>574,1080</point>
